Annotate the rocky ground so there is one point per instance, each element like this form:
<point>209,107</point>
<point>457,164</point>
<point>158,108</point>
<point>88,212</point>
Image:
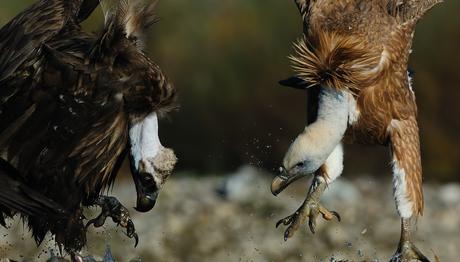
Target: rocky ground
<point>233,218</point>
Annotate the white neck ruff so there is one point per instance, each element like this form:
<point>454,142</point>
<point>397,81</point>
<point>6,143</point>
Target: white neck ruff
<point>332,122</point>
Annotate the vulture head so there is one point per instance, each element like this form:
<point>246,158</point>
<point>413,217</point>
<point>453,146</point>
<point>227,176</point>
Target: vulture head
<point>303,157</point>
<point>151,162</point>
<point>329,104</point>
<point>147,95</point>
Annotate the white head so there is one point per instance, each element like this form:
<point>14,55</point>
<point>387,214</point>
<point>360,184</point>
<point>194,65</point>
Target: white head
<point>306,154</point>
<point>314,145</point>
<point>151,163</point>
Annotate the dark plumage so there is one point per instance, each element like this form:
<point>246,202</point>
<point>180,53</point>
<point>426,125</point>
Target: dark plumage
<point>16,195</point>
<point>67,102</point>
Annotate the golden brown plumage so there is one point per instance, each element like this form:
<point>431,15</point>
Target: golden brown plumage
<point>355,53</point>
<point>363,47</point>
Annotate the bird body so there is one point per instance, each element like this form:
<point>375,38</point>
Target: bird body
<point>67,102</point>
<point>353,60</point>
<point>361,48</point>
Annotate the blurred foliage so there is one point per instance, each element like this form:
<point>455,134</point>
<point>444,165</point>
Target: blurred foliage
<point>226,57</point>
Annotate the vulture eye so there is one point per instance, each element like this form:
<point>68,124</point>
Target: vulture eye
<point>299,165</point>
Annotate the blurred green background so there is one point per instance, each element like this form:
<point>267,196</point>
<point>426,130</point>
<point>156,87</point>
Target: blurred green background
<point>226,57</point>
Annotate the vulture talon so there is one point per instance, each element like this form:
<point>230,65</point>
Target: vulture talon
<point>312,225</point>
<point>287,220</point>
<point>408,252</point>
<point>327,214</point>
<point>111,207</point>
<point>310,209</point>
<point>131,232</point>
<point>337,215</point>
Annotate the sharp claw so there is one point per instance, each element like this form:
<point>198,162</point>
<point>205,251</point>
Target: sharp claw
<point>408,252</point>
<point>337,215</point>
<point>136,238</point>
<point>279,223</point>
<point>119,214</point>
<point>285,221</point>
<point>312,210</point>
<point>312,225</point>
<point>287,234</point>
<point>97,222</point>
<point>131,232</point>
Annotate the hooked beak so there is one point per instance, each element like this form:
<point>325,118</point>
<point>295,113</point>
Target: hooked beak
<point>146,188</point>
<point>151,163</point>
<point>294,82</point>
<point>283,180</point>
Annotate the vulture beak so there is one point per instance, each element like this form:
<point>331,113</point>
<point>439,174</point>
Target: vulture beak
<point>294,82</point>
<point>283,180</point>
<point>147,190</point>
<point>151,163</point>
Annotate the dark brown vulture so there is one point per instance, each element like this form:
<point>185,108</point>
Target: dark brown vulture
<point>72,106</point>
<point>353,60</point>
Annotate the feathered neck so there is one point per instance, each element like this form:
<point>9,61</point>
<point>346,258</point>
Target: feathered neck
<point>332,120</point>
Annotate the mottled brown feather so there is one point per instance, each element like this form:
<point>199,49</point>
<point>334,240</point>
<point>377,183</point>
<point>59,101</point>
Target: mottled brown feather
<point>363,47</point>
<point>406,151</point>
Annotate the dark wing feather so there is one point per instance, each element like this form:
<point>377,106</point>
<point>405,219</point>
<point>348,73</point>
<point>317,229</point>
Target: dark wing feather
<point>64,111</point>
<point>18,197</point>
<point>65,136</point>
<point>22,37</point>
<point>70,128</point>
<point>86,9</point>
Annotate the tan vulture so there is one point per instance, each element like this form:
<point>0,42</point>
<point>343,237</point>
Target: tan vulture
<point>353,61</point>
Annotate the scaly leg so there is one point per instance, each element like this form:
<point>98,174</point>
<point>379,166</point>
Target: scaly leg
<point>111,207</point>
<point>311,207</point>
<point>406,250</point>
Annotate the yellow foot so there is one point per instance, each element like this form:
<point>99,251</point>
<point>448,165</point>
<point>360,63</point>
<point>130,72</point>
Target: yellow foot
<point>407,252</point>
<point>310,209</point>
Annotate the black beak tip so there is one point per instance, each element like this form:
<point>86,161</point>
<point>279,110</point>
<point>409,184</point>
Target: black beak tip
<point>294,82</point>
<point>146,203</point>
